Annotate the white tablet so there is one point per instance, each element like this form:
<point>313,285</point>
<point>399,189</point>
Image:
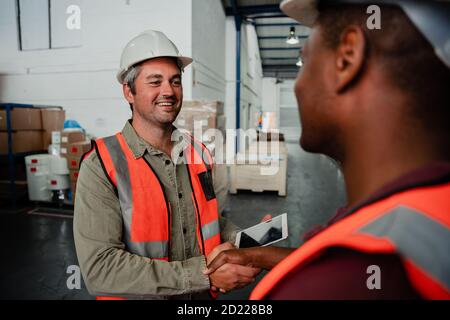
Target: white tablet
<point>264,233</point>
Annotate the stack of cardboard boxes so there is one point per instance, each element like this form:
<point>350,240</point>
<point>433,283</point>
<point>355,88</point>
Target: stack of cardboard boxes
<point>26,125</point>
<point>73,146</point>
<point>52,120</point>
<point>197,116</point>
<point>31,128</point>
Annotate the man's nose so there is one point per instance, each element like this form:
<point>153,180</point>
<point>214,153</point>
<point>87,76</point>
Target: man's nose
<point>167,89</point>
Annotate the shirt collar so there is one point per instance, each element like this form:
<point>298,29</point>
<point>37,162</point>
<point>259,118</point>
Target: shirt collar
<point>138,145</point>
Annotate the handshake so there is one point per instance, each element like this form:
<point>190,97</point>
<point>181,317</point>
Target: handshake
<point>231,268</point>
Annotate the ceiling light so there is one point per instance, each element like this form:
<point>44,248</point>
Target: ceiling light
<point>292,38</point>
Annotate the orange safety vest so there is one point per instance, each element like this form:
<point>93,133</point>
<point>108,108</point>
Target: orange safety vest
<point>145,209</point>
<point>413,224</point>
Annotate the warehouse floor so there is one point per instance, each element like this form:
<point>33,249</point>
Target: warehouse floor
<point>37,250</point>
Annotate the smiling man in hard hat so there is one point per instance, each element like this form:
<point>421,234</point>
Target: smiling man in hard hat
<point>378,101</point>
<point>146,215</point>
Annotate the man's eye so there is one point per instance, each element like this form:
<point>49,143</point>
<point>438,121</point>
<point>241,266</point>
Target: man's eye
<point>176,82</point>
<point>155,83</point>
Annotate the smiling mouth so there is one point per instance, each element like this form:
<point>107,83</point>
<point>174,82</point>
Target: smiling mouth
<point>166,104</point>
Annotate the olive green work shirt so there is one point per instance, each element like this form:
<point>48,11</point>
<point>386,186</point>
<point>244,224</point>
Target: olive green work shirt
<point>107,267</point>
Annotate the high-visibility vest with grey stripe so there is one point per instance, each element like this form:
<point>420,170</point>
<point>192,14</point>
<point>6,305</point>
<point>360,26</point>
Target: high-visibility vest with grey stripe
<point>413,224</point>
<point>145,209</point>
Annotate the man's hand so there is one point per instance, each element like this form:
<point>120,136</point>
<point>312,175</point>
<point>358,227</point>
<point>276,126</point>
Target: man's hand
<point>229,276</point>
<point>255,257</point>
<point>232,276</point>
<point>221,247</point>
<point>234,256</point>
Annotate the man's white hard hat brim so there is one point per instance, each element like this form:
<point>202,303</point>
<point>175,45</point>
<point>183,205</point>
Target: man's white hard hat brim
<point>182,63</point>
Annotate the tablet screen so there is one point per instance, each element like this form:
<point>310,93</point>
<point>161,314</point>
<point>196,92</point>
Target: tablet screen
<point>262,234</point>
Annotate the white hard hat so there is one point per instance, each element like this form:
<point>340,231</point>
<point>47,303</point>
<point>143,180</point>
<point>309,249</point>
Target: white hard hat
<point>431,17</point>
<point>148,45</point>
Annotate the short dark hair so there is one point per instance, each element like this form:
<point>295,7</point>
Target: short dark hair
<point>408,58</point>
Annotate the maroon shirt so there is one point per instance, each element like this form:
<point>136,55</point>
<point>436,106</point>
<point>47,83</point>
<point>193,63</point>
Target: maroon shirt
<point>340,273</point>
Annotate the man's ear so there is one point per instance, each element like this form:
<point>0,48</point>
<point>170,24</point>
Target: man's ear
<point>350,56</point>
<point>127,93</point>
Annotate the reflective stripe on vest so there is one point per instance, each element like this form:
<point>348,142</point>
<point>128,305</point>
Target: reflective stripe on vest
<point>416,237</point>
<point>147,215</point>
<point>200,162</point>
<point>415,224</point>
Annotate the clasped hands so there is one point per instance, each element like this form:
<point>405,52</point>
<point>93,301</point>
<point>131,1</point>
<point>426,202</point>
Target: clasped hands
<point>226,275</point>
<point>231,268</point>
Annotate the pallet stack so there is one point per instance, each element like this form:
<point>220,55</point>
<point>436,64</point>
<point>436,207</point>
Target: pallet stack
<point>73,146</point>
<point>262,167</point>
<point>26,125</point>
<point>197,116</point>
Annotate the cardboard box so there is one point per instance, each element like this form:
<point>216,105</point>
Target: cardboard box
<point>22,119</point>
<point>73,161</point>
<point>22,141</point>
<point>73,188</point>
<point>73,174</point>
<point>72,136</point>
<point>77,149</point>
<point>53,119</point>
<point>3,125</point>
<point>194,120</point>
<point>212,106</point>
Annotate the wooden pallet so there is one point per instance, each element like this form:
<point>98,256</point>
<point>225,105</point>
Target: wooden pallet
<point>259,177</point>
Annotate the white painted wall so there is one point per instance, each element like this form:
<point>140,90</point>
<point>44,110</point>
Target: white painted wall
<point>230,72</point>
<point>270,94</point>
<point>82,79</point>
<point>289,115</point>
<point>208,50</point>
<point>251,75</point>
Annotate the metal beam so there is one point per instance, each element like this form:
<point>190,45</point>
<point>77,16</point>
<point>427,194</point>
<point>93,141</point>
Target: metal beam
<point>277,24</point>
<point>247,10</point>
<point>280,48</point>
<point>238,23</point>
<point>280,66</point>
<point>281,58</point>
<point>278,37</point>
<point>266,16</point>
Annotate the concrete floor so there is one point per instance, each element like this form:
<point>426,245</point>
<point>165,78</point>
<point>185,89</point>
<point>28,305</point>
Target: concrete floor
<point>37,250</point>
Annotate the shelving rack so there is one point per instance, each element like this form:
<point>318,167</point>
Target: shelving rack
<point>10,155</point>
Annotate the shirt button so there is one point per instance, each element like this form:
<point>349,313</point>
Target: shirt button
<point>181,153</point>
<point>180,195</point>
<point>167,162</point>
<point>184,230</point>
